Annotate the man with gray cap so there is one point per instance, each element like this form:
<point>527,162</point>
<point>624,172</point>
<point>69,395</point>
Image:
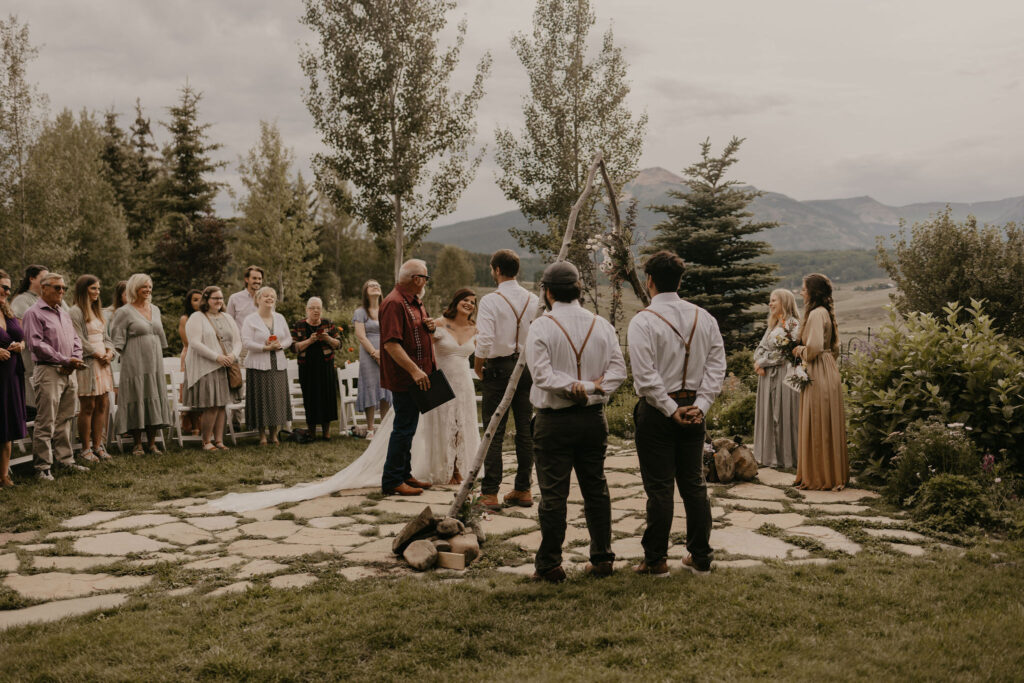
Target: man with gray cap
<point>576,364</point>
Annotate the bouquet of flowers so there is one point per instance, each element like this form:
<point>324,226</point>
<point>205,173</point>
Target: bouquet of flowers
<point>796,377</point>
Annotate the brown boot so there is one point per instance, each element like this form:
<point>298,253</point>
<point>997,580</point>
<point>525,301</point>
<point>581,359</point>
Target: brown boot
<point>403,490</point>
<point>490,501</point>
<point>599,570</point>
<point>658,569</point>
<point>416,483</point>
<point>521,498</point>
<point>555,575</point>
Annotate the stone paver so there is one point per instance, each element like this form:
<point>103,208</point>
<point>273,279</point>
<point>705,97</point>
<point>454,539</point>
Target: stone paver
<point>911,550</point>
<point>628,525</point>
<point>897,535</point>
<point>752,520</point>
<point>496,525</point>
<point>847,495</point>
<point>831,508</point>
<point>118,543</point>
<point>259,568</point>
<point>9,562</point>
<point>324,506</point>
<point>181,533</point>
<point>531,541</point>
<point>292,581</point>
<point>216,523</point>
<point>830,538</point>
<point>772,505</point>
<point>329,522</point>
<point>274,528</point>
<point>180,502</point>
<point>137,522</point>
<point>89,519</point>
<point>737,564</point>
<point>239,587</point>
<point>628,548</point>
<point>756,492</point>
<point>358,573</point>
<point>61,585</point>
<point>772,477</point>
<point>737,541</point>
<point>215,562</point>
<point>72,562</point>
<point>269,548</point>
<point>17,537</point>
<point>329,538</point>
<point>55,611</point>
<point>36,547</point>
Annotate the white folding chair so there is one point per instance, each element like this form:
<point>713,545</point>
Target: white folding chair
<point>348,378</point>
<point>177,409</point>
<point>295,392</point>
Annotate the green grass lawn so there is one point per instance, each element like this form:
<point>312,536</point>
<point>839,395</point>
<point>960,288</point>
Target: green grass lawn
<point>875,616</point>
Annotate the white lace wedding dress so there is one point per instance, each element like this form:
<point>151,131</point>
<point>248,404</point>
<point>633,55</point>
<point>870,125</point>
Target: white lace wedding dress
<point>446,436</point>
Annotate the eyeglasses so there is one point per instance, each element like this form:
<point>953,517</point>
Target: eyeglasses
<point>425,277</point>
<point>216,298</point>
<point>59,288</point>
<point>5,288</point>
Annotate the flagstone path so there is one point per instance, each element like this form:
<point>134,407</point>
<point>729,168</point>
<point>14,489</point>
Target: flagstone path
<point>100,559</point>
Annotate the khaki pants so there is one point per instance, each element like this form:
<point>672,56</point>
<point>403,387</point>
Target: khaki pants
<point>56,405</point>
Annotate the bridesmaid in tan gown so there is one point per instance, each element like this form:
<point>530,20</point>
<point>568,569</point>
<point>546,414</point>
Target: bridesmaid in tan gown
<point>822,461</point>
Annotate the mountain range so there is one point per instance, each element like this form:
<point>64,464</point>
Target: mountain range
<point>851,223</point>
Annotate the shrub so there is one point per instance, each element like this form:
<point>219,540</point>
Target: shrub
<point>732,413</point>
<point>619,414</point>
<point>925,449</point>
<point>952,503</point>
<point>923,368</point>
<point>741,364</point>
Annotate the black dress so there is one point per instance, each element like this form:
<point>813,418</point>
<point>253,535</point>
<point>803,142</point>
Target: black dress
<point>317,375</point>
<point>12,386</point>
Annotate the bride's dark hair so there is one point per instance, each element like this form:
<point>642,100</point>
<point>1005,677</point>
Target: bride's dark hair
<point>453,305</point>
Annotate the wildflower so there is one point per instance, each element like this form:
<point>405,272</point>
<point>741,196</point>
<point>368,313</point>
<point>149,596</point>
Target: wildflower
<point>988,462</point>
<point>351,349</point>
<point>955,425</point>
<point>998,480</point>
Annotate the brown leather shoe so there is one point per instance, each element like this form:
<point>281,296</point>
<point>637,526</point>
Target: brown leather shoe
<point>490,501</point>
<point>556,575</point>
<point>416,483</point>
<point>600,570</point>
<point>658,569</point>
<point>403,490</point>
<point>690,564</point>
<point>521,498</point>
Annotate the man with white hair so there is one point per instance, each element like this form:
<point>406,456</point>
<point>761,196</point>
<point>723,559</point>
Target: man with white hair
<point>406,337</point>
<point>57,352</point>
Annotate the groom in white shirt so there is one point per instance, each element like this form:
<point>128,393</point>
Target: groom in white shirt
<point>502,322</point>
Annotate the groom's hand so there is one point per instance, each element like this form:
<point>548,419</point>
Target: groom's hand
<point>421,379</point>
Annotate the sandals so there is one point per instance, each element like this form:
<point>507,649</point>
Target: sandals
<point>88,456</point>
<point>220,446</point>
<point>154,449</point>
<point>139,450</point>
<point>102,454</point>
<point>209,447</point>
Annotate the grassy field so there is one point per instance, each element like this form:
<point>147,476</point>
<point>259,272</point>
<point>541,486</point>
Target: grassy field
<point>874,616</point>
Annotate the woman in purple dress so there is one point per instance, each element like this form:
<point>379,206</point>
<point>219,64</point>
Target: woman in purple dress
<point>12,380</point>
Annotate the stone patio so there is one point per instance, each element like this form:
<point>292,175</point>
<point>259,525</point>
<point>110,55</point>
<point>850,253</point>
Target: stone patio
<point>764,524</point>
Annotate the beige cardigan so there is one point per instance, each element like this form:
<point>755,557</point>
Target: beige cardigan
<point>204,348</point>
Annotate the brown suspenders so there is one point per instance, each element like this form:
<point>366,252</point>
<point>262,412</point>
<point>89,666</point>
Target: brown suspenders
<point>519,315</point>
<point>579,353</point>
<point>686,342</point>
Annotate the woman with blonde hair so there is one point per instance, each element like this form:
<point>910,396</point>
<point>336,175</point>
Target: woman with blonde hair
<point>777,409</point>
<point>822,461</point>
<point>96,379</point>
<point>265,335</point>
<point>138,335</point>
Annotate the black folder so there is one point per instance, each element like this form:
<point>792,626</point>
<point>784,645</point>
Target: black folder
<point>439,393</point>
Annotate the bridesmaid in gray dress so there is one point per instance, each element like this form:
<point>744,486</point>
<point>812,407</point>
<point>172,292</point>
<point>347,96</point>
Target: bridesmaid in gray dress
<point>777,413</point>
<point>138,335</point>
<point>369,394</point>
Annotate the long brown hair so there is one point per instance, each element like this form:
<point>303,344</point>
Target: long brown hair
<point>119,294</point>
<point>365,295</point>
<point>90,309</point>
<point>5,308</point>
<point>819,295</point>
<point>453,305</point>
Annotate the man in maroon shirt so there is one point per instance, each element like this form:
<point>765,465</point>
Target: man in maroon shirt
<point>406,334</point>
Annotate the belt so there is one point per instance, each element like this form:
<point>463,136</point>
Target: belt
<point>683,394</point>
<point>511,357</point>
<point>47,362</point>
<point>571,409</point>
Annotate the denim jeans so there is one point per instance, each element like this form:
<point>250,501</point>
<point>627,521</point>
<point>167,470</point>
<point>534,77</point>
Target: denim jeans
<point>398,466</point>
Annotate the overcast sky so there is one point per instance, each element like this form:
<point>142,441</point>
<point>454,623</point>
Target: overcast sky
<point>903,100</point>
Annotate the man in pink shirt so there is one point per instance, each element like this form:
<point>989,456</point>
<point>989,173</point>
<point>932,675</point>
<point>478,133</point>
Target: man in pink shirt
<point>57,353</point>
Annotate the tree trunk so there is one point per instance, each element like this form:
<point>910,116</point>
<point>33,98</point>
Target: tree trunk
<point>399,235</point>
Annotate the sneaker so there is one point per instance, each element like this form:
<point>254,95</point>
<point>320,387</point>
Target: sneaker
<point>74,467</point>
<point>659,569</point>
<point>691,564</point>
<point>556,575</point>
<point>600,570</point>
<point>44,475</point>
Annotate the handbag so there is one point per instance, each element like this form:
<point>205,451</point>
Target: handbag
<point>234,370</point>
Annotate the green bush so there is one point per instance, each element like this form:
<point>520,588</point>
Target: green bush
<point>732,413</point>
<point>925,449</point>
<point>619,414</point>
<point>741,364</point>
<point>923,368</point>
<point>952,503</point>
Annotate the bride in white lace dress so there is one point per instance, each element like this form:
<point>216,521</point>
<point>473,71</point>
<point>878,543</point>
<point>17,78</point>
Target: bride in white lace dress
<point>446,437</point>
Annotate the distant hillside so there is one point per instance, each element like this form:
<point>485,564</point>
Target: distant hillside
<point>804,225</point>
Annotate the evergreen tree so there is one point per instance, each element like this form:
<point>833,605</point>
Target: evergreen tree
<point>709,229</point>
<point>576,108</point>
<point>276,228</point>
<point>140,207</point>
<point>191,244</point>
<point>453,271</point>
<point>116,155</point>
<point>21,119</point>
<point>379,95</point>
<point>76,224</point>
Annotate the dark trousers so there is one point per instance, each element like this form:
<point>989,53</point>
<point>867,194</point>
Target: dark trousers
<point>567,440</point>
<point>496,375</point>
<point>398,466</point>
<point>672,454</point>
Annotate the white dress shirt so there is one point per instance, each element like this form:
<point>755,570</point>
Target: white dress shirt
<point>657,355</point>
<point>552,361</point>
<point>240,306</point>
<point>496,322</point>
